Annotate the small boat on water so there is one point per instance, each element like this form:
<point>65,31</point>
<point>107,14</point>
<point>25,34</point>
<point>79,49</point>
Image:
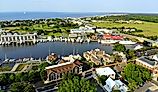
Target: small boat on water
<point>108,41</point>
<point>138,47</point>
<point>127,42</point>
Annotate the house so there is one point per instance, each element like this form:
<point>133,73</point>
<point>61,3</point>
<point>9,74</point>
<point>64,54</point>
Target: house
<point>97,56</point>
<point>121,86</point>
<point>55,72</point>
<point>112,85</point>
<point>72,58</point>
<point>107,71</point>
<point>51,58</point>
<point>109,85</point>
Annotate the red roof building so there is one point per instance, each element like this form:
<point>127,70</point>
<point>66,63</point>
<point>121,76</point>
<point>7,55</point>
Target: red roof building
<point>112,37</point>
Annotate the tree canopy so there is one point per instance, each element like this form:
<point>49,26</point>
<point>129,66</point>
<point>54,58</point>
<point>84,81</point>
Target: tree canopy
<point>71,83</point>
<point>136,75</point>
<point>119,48</point>
<point>21,87</point>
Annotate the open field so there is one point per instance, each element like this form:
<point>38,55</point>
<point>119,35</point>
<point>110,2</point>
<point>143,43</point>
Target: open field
<point>149,28</point>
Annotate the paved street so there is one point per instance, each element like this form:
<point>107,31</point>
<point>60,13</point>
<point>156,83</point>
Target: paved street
<point>144,88</point>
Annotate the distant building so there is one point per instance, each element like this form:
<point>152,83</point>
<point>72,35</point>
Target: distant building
<point>73,35</point>
<point>104,31</point>
<point>107,71</point>
<point>55,72</point>
<point>82,30</point>
<point>112,37</point>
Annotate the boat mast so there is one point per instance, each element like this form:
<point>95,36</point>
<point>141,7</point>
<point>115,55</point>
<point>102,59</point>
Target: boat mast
<point>49,50</point>
<point>5,57</point>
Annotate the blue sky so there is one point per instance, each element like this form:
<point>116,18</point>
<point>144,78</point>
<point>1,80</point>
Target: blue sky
<point>143,6</point>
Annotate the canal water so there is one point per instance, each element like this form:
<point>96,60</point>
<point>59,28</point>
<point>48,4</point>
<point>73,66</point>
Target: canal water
<point>41,50</point>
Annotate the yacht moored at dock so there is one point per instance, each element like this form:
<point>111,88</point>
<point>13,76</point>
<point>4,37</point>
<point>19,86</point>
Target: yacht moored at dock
<point>108,41</point>
<point>127,42</point>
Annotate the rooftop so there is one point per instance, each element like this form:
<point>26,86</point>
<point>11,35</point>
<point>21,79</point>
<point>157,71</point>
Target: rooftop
<point>104,71</point>
<point>147,60</point>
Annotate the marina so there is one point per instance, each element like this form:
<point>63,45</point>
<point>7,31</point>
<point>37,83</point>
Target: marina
<point>41,50</point>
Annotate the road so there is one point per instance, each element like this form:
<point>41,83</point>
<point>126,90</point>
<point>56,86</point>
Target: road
<point>144,88</point>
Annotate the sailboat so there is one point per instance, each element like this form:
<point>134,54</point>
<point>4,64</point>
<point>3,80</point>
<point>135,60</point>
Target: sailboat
<point>24,12</point>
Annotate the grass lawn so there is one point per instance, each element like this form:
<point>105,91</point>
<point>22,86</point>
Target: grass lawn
<point>149,29</point>
<point>20,67</point>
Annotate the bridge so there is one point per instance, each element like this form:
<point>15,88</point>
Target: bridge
<point>15,38</point>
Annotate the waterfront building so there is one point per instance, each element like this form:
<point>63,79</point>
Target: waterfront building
<point>107,71</point>
<point>9,38</point>
<point>72,58</point>
<point>56,72</point>
<point>112,37</point>
<point>51,58</point>
<point>97,56</point>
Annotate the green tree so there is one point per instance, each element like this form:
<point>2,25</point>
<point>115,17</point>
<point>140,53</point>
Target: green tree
<point>130,54</point>
<point>116,58</point>
<point>43,65</point>
<point>18,77</point>
<point>32,76</point>
<point>21,87</point>
<point>12,78</point>
<point>132,85</point>
<point>102,79</point>
<point>75,84</point>
<point>42,70</point>
<point>3,79</point>
<point>136,75</point>
<point>43,74</point>
<point>119,48</point>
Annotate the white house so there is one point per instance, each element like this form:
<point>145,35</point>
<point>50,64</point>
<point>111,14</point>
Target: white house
<point>121,86</point>
<point>109,84</point>
<point>107,71</point>
<point>72,58</point>
<point>104,30</point>
<point>82,30</point>
<point>115,85</point>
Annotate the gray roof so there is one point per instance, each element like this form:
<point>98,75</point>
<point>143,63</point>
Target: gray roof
<point>147,60</point>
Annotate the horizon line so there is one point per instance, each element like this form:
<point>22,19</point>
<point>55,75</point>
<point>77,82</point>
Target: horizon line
<point>119,12</point>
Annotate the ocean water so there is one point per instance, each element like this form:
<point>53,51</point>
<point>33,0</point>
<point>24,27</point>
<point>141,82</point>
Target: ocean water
<point>42,15</point>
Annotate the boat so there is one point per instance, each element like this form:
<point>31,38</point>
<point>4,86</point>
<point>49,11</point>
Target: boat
<point>138,47</point>
<point>108,41</point>
<point>127,42</point>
